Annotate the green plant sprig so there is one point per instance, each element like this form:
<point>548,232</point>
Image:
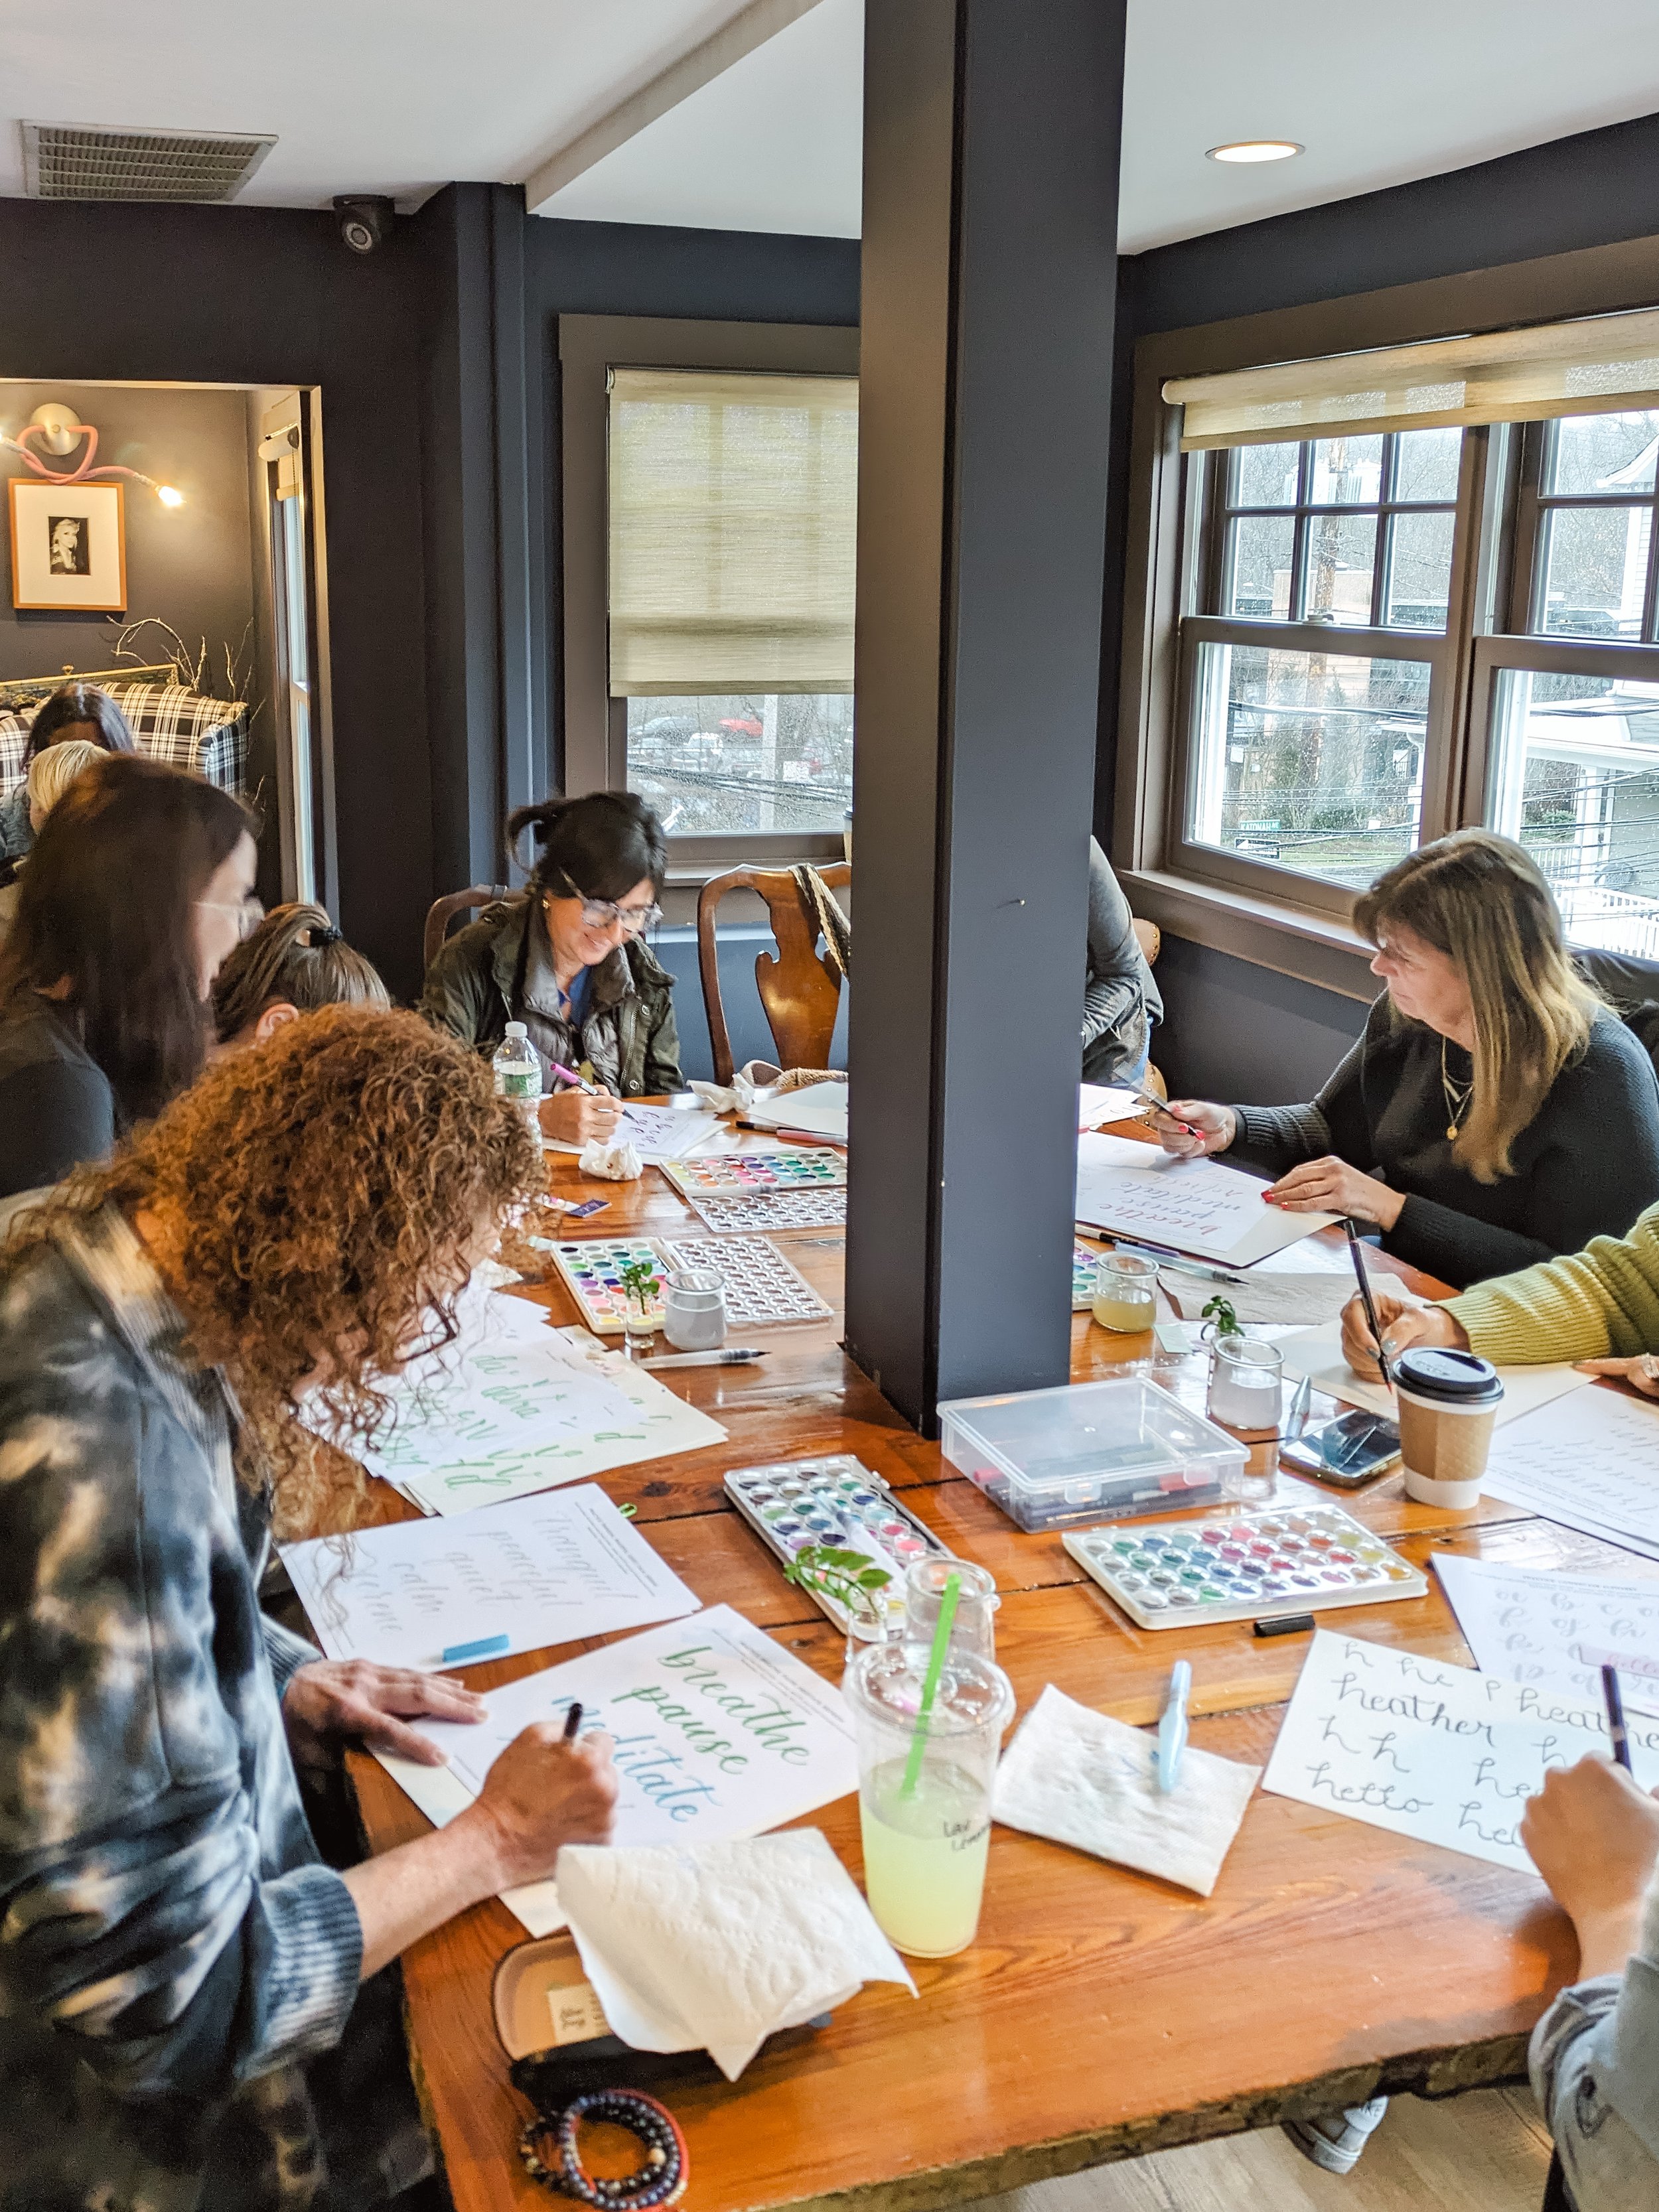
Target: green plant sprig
<point>639,1279</point>
<point>851,1578</point>
<point>1226,1319</point>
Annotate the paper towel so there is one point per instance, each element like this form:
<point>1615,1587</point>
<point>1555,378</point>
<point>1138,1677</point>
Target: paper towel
<point>618,1163</point>
<point>717,1946</point>
<point>1077,1777</point>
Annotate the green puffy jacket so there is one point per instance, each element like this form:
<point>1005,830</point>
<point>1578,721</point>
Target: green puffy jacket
<point>475,987</point>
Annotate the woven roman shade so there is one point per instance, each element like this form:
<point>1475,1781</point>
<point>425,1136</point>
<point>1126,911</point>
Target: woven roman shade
<point>732,531</point>
<point>1596,367</point>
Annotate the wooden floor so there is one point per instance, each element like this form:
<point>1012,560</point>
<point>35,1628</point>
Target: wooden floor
<point>1484,2152</point>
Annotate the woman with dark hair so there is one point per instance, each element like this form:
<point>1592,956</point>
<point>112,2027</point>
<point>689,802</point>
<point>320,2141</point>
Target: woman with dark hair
<point>1496,1111</point>
<point>295,961</point>
<point>75,711</point>
<point>140,884</point>
<point>567,959</point>
<point>192,2010</point>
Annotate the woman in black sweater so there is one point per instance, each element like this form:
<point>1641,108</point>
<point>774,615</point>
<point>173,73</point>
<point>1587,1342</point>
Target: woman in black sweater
<point>1495,1113</point>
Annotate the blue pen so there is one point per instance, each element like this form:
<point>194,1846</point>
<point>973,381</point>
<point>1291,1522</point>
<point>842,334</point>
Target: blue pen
<point>487,1647</point>
<point>1172,1729</point>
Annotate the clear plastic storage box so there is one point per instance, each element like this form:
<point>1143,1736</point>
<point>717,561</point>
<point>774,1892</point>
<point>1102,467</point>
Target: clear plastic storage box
<point>1088,1451</point>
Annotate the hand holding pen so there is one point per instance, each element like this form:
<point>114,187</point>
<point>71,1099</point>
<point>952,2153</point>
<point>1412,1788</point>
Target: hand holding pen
<point>1191,1127</point>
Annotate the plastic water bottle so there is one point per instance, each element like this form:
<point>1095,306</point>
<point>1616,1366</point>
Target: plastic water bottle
<point>519,1075</point>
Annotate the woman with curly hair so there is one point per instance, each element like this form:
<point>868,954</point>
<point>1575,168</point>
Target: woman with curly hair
<point>172,1950</point>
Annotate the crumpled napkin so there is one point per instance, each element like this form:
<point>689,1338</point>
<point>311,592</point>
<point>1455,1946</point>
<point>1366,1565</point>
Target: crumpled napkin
<point>759,1079</point>
<point>616,1163</point>
<point>717,1946</point>
<point>1079,1776</point>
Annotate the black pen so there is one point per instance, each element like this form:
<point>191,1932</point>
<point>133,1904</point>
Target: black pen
<point>1616,1728</point>
<point>1365,1293</point>
<point>573,1721</point>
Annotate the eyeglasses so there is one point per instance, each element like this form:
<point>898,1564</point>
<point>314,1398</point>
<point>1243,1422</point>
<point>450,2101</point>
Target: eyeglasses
<point>248,912</point>
<point>605,914</point>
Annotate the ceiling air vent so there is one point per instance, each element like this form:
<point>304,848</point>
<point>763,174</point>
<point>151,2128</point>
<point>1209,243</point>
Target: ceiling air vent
<point>99,161</point>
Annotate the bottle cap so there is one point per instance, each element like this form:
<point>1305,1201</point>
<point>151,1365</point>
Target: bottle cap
<point>517,1030</point>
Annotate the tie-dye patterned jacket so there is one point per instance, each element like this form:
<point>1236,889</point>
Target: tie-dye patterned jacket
<point>171,1946</point>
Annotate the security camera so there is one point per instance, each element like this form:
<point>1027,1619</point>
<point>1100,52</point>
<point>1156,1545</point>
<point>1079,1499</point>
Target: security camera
<point>365,219</point>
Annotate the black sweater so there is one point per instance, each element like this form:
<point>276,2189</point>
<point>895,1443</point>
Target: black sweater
<point>1585,1166</point>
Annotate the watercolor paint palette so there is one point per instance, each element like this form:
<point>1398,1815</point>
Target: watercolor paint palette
<point>748,1175</point>
<point>1085,1259</point>
<point>783,1209</point>
<point>761,1285</point>
<point>834,1501</point>
<point>591,1269</point>
<point>1172,1573</point>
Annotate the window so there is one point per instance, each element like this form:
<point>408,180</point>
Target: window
<point>708,545</point>
<point>1418,589</point>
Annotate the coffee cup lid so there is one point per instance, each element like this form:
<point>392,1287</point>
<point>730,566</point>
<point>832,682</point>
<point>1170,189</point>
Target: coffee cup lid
<point>1455,1378</point>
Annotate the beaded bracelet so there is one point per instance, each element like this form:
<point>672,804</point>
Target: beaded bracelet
<point>661,2179</point>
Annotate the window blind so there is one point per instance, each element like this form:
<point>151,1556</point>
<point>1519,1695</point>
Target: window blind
<point>732,531</point>
<point>1596,367</point>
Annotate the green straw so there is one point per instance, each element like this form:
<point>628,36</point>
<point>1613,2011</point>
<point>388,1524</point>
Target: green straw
<point>947,1613</point>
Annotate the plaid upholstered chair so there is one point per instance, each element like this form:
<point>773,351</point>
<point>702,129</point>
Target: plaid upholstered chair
<point>168,722</point>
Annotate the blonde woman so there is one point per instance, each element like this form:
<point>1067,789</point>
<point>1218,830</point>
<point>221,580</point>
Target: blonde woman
<point>1494,1113</point>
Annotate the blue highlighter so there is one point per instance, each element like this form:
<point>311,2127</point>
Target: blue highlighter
<point>1172,1729</point>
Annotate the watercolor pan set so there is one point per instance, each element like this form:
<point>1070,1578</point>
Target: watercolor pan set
<point>750,1174</point>
<point>592,1268</point>
<point>1086,1259</point>
<point>1250,1568</point>
<point>766,1211</point>
<point>836,1501</point>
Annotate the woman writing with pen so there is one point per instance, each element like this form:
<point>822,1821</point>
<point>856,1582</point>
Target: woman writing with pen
<point>567,959</point>
<point>1495,1112</point>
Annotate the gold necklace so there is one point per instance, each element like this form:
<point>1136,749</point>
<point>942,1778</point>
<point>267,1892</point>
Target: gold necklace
<point>1457,1097</point>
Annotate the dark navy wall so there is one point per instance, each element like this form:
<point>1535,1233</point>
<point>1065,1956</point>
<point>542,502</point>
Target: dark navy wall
<point>1243,1035</point>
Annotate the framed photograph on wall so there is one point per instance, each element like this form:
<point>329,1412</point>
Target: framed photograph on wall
<point>69,547</point>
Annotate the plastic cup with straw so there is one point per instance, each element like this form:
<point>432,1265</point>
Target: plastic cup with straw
<point>947,1613</point>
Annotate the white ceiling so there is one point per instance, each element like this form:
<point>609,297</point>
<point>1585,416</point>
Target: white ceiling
<point>401,95</point>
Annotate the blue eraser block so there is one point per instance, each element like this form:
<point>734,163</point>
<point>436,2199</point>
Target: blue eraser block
<point>487,1647</point>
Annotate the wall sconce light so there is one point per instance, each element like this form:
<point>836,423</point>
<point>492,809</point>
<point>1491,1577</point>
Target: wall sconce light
<point>59,430</point>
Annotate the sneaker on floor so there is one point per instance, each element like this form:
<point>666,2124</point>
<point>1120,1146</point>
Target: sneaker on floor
<point>1333,2140</point>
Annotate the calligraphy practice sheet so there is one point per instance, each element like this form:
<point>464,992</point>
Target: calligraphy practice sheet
<point>660,1133</point>
<point>543,1570</point>
<point>1318,1354</point>
<point>1592,1463</point>
<point>1529,1626</point>
<point>719,1733</point>
<point>1435,1752</point>
<point>1104,1102</point>
<point>1192,1205</point>
<point>521,1417</point>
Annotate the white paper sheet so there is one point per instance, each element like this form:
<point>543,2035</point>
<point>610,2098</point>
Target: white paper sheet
<point>818,1108</point>
<point>716,1946</point>
<point>1132,1189</point>
<point>1530,1626</point>
<point>525,1416</point>
<point>1318,1354</point>
<point>659,1132</point>
<point>1276,1298</point>
<point>719,1731</point>
<point>1435,1752</point>
<point>1105,1102</point>
<point>540,1571</point>
<point>1079,1776</point>
<point>1592,1464</point>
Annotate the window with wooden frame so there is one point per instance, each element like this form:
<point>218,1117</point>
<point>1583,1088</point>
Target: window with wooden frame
<point>710,481</point>
<point>1392,592</point>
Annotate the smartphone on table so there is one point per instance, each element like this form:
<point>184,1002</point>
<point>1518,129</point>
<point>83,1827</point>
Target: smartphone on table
<point>1344,1452</point>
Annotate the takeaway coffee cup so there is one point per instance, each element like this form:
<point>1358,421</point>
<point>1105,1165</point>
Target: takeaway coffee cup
<point>1448,1401</point>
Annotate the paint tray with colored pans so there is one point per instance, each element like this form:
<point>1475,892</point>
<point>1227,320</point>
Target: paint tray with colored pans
<point>592,1268</point>
<point>1166,1574</point>
<point>766,1210</point>
<point>757,1174</point>
<point>836,1501</point>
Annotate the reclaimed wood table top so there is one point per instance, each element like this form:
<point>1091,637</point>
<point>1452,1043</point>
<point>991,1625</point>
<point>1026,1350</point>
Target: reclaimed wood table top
<point>1099,2014</point>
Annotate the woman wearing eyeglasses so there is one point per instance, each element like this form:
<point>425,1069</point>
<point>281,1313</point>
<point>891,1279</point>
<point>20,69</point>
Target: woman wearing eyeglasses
<point>568,959</point>
<point>139,886</point>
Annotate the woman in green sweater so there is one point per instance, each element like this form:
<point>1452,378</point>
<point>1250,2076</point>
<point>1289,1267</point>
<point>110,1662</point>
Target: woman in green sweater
<point>1599,1307</point>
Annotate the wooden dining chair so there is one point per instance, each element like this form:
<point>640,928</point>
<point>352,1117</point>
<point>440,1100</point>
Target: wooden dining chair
<point>798,986</point>
<point>443,911</point>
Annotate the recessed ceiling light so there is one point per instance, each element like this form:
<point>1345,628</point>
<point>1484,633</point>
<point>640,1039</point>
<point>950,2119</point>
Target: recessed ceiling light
<point>1255,150</point>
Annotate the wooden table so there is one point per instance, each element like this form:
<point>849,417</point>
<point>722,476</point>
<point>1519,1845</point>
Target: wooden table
<point>1099,2014</point>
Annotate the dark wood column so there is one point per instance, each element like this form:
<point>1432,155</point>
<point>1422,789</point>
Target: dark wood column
<point>990,218</point>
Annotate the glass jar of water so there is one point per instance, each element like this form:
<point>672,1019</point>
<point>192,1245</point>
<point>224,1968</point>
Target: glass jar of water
<point>1125,1288</point>
<point>1246,1380</point>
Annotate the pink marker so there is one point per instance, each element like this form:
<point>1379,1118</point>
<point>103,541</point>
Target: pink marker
<point>569,1075</point>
